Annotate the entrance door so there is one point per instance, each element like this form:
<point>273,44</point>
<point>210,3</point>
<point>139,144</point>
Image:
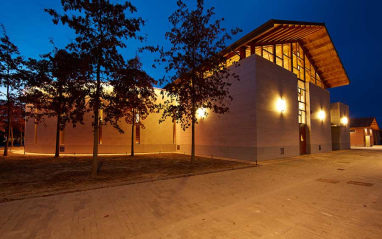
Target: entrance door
<point>367,140</point>
<point>302,139</point>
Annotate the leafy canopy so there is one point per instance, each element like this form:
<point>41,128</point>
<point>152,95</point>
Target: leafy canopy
<point>200,76</point>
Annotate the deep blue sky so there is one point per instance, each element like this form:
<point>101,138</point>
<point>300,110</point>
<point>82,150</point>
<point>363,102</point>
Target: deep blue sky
<point>353,25</point>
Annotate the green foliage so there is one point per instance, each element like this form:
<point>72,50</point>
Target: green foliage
<point>11,77</point>
<point>100,27</point>
<point>56,88</point>
<point>201,78</point>
<point>132,94</point>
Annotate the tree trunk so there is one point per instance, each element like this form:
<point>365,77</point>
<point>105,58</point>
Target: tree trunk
<point>9,121</point>
<point>132,135</point>
<point>12,139</point>
<point>95,168</point>
<point>57,153</point>
<point>193,135</point>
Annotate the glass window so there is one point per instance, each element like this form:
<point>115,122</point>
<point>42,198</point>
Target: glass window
<point>287,57</point>
<point>258,50</point>
<point>248,52</point>
<point>268,52</point>
<point>279,54</point>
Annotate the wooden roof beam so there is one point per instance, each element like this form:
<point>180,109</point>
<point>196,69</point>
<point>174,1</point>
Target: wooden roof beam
<point>316,36</point>
<point>316,45</point>
<point>292,35</point>
<point>322,53</point>
<point>281,32</point>
<point>308,33</point>
<point>270,33</point>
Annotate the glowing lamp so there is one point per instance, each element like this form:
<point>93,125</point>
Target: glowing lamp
<point>201,113</point>
<point>344,120</point>
<point>281,105</point>
<point>321,115</point>
<point>371,131</point>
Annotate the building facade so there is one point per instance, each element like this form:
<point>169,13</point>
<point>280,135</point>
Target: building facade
<point>364,132</point>
<point>339,114</point>
<point>281,105</point>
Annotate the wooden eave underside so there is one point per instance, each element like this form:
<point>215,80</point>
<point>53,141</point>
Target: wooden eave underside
<point>313,38</point>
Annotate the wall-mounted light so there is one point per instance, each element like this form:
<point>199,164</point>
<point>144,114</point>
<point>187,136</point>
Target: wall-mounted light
<point>344,120</point>
<point>371,131</point>
<point>281,105</point>
<point>321,115</point>
<point>201,113</point>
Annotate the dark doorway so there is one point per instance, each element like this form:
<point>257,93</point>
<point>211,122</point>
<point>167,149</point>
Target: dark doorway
<point>302,139</point>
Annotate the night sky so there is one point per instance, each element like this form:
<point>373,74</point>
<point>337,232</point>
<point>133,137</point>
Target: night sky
<point>354,27</point>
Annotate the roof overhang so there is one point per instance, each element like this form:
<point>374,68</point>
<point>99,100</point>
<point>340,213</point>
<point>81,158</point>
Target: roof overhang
<point>313,38</point>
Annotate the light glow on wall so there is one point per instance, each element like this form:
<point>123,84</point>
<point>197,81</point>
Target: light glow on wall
<point>201,113</point>
<point>321,115</point>
<point>344,120</point>
<point>281,105</point>
<point>371,131</point>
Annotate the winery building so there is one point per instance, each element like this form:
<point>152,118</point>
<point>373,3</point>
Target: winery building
<point>281,105</point>
<point>364,132</point>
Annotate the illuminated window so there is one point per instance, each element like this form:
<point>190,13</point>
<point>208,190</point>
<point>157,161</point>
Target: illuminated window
<point>268,52</point>
<point>258,50</point>
<point>279,54</point>
<point>291,56</point>
<point>287,57</point>
<point>301,102</point>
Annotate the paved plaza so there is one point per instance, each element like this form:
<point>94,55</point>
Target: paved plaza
<point>330,195</point>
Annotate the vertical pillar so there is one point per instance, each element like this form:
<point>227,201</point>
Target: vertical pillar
<point>308,118</point>
<point>242,52</point>
<point>291,56</point>
<point>253,49</point>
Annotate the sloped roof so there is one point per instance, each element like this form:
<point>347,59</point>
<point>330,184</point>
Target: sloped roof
<point>364,122</point>
<point>313,38</point>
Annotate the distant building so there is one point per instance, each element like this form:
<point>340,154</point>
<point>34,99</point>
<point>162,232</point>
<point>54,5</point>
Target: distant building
<point>281,105</point>
<point>339,113</point>
<point>364,132</point>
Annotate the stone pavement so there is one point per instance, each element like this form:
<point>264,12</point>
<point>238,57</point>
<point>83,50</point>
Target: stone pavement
<point>331,195</point>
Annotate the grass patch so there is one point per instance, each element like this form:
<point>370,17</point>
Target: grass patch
<point>24,176</point>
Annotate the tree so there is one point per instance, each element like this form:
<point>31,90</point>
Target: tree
<point>11,67</point>
<point>201,78</point>
<point>18,120</point>
<point>100,27</point>
<point>57,89</point>
<point>132,98</point>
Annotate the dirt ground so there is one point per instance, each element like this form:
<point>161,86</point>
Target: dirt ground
<point>24,176</point>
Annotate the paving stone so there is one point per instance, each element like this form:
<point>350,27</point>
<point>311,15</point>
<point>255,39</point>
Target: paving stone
<point>279,199</point>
